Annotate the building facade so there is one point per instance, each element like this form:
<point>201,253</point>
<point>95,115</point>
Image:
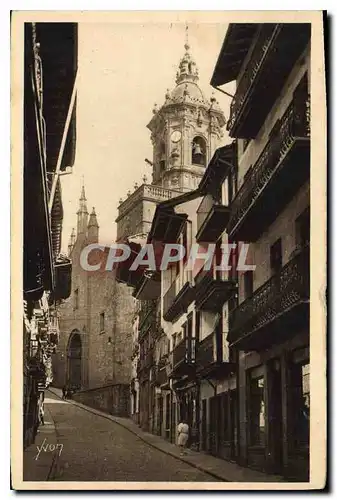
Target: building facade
<point>185,131</point>
<point>232,355</point>
<point>94,353</point>
<point>50,65</point>
<point>270,118</point>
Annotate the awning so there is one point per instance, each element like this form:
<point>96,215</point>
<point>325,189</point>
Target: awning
<point>237,42</point>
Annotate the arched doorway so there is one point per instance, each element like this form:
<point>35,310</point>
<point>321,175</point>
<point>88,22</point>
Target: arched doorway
<point>74,378</point>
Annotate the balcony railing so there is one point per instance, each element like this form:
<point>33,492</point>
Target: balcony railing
<point>146,361</point>
<point>289,137</point>
<point>273,305</point>
<point>206,352</point>
<point>161,377</point>
<point>263,42</point>
<point>183,354</point>
<point>204,208</point>
<point>276,50</point>
<point>149,192</point>
<point>175,304</point>
<point>212,291</point>
<point>209,357</point>
<point>212,218</point>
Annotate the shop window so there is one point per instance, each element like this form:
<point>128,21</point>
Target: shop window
<point>256,417</point>
<point>302,228</point>
<point>276,256</point>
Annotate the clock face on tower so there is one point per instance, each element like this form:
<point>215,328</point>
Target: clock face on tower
<point>176,136</point>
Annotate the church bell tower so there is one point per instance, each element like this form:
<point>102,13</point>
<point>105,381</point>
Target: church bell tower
<point>185,131</point>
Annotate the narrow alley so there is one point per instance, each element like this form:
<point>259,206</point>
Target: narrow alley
<point>99,449</point>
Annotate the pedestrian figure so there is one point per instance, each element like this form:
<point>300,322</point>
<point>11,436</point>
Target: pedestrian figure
<point>182,431</point>
<point>41,408</point>
<point>64,392</point>
<point>68,393</point>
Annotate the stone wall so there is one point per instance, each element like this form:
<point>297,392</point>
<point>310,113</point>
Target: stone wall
<point>112,399</point>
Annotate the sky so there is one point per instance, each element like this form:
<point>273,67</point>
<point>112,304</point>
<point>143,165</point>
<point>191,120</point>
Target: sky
<point>124,68</point>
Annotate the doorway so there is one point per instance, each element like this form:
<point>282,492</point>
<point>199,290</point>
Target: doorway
<point>275,416</point>
<point>74,378</point>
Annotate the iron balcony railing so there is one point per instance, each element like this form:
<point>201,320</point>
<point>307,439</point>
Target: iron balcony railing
<point>280,293</point>
<point>265,39</point>
<point>294,125</point>
<point>176,301</point>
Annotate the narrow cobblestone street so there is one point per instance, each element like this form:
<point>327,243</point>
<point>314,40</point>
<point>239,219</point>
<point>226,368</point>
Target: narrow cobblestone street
<point>98,449</point>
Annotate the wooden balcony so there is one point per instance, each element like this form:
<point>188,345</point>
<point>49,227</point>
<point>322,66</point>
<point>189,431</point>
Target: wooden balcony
<point>211,292</point>
<point>175,304</point>
<point>212,219</point>
<point>183,358</point>
<point>276,49</point>
<point>209,357</point>
<point>283,166</point>
<point>277,310</point>
<point>161,375</point>
<point>147,316</point>
<point>146,361</point>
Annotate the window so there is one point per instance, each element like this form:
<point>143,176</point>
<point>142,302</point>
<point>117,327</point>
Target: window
<point>101,322</point>
<point>256,411</point>
<point>302,228</point>
<point>199,151</point>
<point>248,284</point>
<point>276,256</point>
<point>76,299</point>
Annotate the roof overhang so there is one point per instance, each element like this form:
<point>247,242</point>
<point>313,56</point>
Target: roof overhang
<point>223,161</point>
<point>238,39</point>
<point>58,52</point>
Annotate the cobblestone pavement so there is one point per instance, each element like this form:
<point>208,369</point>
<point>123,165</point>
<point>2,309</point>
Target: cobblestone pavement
<point>97,449</point>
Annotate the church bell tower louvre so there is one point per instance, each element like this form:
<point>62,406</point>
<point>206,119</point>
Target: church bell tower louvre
<point>185,132</point>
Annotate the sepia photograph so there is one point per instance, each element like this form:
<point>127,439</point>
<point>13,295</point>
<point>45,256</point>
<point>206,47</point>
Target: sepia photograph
<point>168,280</point>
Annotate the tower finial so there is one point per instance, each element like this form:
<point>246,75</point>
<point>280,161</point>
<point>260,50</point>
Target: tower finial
<point>187,45</point>
<point>83,197</point>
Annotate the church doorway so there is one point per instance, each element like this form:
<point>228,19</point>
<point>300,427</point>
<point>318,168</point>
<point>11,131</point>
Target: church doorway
<point>74,377</point>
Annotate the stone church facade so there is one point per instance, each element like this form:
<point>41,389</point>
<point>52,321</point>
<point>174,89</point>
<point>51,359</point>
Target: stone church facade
<point>94,351</point>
